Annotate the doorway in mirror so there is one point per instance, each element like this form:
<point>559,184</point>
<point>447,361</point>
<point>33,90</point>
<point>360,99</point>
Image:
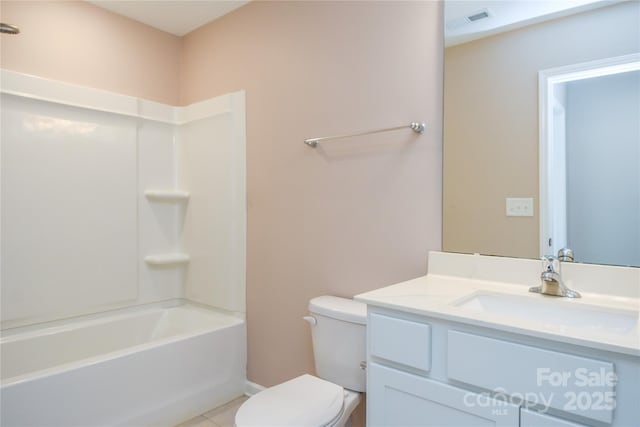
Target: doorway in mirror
<point>590,160</point>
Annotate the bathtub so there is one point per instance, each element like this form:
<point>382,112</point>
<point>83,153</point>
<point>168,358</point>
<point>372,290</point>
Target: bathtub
<point>153,366</point>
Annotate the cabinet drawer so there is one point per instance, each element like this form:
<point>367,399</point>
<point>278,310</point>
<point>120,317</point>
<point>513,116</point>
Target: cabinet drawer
<point>552,379</point>
<point>534,419</point>
<point>401,341</point>
<point>396,398</point>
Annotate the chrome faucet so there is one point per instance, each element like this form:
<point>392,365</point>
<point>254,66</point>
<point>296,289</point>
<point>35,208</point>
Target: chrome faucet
<point>551,278</point>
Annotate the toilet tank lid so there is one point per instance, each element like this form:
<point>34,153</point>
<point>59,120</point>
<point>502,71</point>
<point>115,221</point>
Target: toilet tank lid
<point>339,308</point>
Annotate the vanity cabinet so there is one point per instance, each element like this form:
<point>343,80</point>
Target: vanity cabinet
<point>530,418</point>
<point>397,398</point>
<point>424,371</point>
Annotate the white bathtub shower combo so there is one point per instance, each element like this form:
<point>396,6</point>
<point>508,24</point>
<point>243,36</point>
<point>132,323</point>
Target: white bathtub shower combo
<point>123,254</point>
<point>146,366</point>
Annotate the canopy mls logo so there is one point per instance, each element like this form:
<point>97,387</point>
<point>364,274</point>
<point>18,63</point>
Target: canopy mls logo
<point>500,400</point>
<point>586,390</point>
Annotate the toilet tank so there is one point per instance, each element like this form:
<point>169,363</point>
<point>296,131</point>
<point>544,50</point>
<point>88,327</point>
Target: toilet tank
<point>339,340</point>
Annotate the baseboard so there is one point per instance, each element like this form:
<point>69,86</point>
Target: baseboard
<point>252,388</point>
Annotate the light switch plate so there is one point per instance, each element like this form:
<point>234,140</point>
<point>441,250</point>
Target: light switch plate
<point>519,206</point>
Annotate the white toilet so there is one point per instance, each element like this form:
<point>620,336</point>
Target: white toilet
<point>339,348</point>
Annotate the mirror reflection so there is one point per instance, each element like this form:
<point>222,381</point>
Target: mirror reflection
<point>542,129</point>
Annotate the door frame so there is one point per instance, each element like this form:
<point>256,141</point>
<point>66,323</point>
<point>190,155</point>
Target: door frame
<point>547,81</point>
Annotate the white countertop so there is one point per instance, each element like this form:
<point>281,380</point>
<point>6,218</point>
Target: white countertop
<point>439,295</point>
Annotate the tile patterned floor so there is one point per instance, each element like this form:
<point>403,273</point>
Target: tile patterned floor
<point>219,417</point>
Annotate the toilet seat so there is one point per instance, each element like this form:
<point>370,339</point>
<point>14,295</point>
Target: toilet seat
<point>302,401</point>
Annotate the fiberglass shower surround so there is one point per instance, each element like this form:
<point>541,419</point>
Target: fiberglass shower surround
<point>98,187</point>
<point>110,202</point>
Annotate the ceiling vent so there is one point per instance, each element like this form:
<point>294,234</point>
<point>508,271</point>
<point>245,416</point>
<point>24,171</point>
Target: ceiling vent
<point>483,14</point>
<point>469,19</point>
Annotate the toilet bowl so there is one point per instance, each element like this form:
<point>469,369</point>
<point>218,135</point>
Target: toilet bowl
<point>305,401</point>
<point>339,337</point>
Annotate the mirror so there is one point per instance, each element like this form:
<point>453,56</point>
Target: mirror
<point>499,198</point>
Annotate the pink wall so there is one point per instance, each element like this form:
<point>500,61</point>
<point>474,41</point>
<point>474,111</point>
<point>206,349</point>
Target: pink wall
<point>79,43</point>
<point>347,217</point>
<point>353,215</point>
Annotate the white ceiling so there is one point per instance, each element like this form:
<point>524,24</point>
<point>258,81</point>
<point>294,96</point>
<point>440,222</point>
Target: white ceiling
<point>180,17</point>
<point>506,15</point>
<point>177,17</point>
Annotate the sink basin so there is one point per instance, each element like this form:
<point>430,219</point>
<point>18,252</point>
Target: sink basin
<point>553,313</point>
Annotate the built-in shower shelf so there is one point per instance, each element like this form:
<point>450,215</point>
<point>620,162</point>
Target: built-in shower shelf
<point>167,195</point>
<point>167,259</point>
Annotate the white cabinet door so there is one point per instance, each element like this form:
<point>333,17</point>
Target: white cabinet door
<point>530,418</point>
<point>400,399</point>
<point>526,370</point>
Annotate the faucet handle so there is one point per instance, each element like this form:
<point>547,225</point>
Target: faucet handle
<point>565,254</point>
<point>550,263</point>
